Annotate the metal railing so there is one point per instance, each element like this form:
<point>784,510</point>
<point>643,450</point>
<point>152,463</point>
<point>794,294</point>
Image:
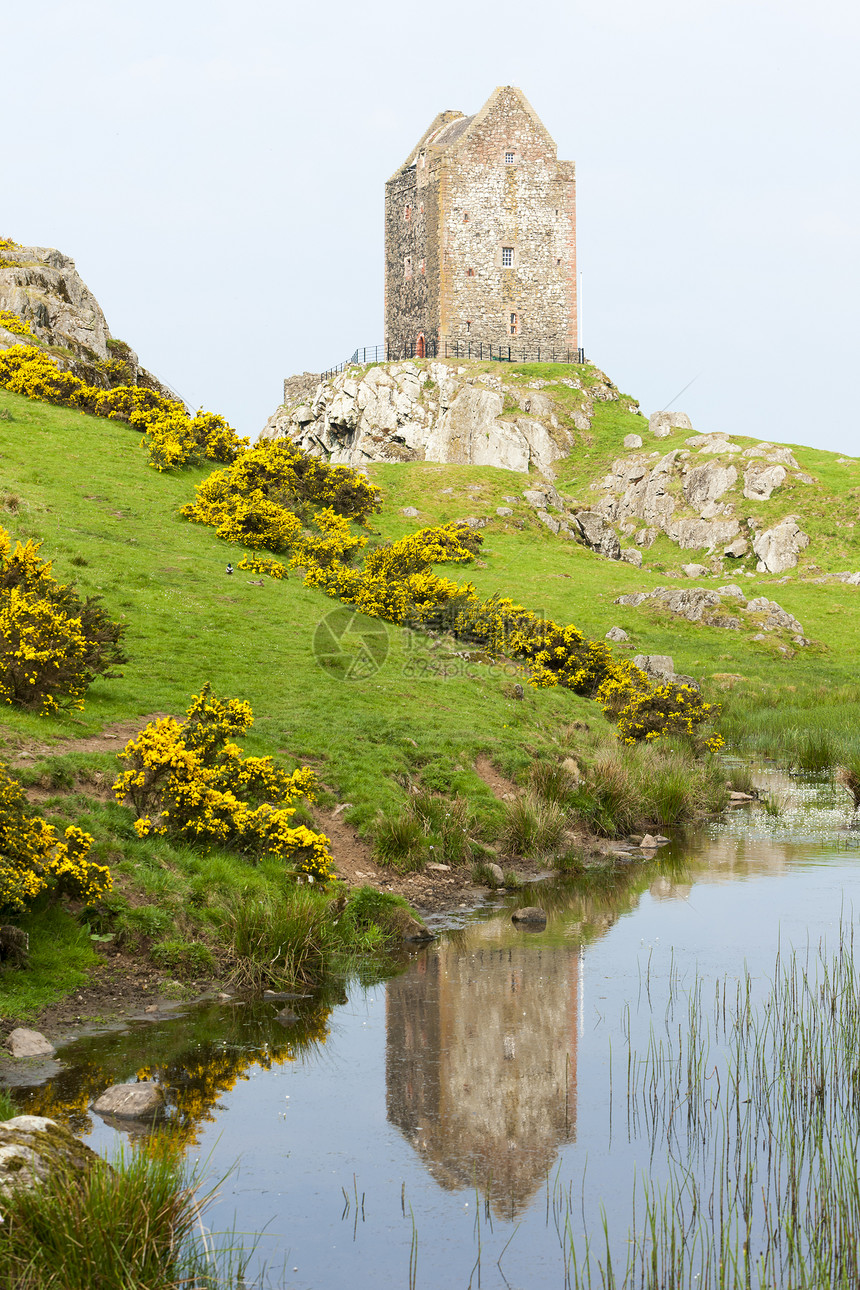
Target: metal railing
<point>481,350</point>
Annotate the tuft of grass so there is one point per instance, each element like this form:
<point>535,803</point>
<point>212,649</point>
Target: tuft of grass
<point>740,779</point>
<point>551,782</point>
<point>187,959</point>
<point>532,826</point>
<point>8,1109</point>
<point>129,1225</point>
<point>400,842</point>
<point>282,939</point>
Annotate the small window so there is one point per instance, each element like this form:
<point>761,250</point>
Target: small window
<point>509,158</point>
<point>466,218</point>
<point>515,326</point>
<point>470,273</point>
<point>507,256</point>
<point>407,214</point>
<point>407,267</point>
<point>468,328</point>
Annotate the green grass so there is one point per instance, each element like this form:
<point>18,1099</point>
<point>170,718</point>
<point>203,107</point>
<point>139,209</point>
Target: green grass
<point>133,1224</point>
<point>411,732</point>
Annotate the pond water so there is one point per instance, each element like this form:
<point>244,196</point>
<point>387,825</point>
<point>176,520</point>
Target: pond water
<point>456,1124</point>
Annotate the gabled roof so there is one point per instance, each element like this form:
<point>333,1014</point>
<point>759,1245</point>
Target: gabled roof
<point>450,128</point>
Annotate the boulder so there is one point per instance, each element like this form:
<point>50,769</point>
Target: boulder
<point>706,483</point>
<point>504,511</point>
<point>737,549</point>
<point>410,512</point>
<point>779,547</point>
<point>761,480</point>
<point>690,533</point>
<point>497,874</point>
<point>777,618</point>
<point>32,1147</point>
<point>661,424</point>
<point>659,666</point>
<point>732,589</point>
<point>632,556</point>
<point>141,1100</point>
<point>29,1043</point>
<point>597,534</point>
<point>617,634</point>
<point>633,441</point>
<point>695,570</point>
<point>549,520</point>
<point>531,914</point>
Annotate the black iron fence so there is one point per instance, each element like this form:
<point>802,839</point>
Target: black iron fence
<point>475,349</point>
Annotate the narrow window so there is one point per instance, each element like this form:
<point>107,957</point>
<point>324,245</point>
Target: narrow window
<point>509,158</point>
<point>407,214</point>
<point>470,273</point>
<point>515,327</point>
<point>468,327</point>
<point>407,267</point>
<point>507,256</point>
<point>466,218</point>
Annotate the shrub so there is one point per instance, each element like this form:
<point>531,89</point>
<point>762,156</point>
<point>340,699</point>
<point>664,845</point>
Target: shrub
<point>188,780</point>
<point>12,322</point>
<point>52,643</point>
<point>368,909</point>
<point>289,938</point>
<point>33,859</point>
<point>173,438</point>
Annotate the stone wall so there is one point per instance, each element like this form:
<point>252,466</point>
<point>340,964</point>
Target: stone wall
<point>479,191</point>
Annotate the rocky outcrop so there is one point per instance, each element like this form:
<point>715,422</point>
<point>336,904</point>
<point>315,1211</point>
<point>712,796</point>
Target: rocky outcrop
<point>438,412</point>
<point>778,548</point>
<point>661,668</point>
<point>43,288</point>
<point>725,607</point>
<point>661,424</point>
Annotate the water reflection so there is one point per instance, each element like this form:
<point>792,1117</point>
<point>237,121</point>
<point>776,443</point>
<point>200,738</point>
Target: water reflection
<point>197,1059</point>
<point>481,1051</point>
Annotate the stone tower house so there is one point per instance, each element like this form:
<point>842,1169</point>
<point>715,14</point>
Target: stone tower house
<point>480,235</point>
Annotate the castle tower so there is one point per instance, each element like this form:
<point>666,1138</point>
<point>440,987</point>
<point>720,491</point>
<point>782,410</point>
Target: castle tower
<point>480,235</point>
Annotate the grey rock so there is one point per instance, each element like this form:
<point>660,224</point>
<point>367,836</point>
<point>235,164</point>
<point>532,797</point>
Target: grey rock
<point>661,424</point>
<point>706,483</point>
<point>144,1099</point>
<point>777,618</point>
<point>29,1043</point>
<point>531,914</point>
<point>617,634</point>
<point>597,534</point>
<point>32,1147</point>
<point>659,666</point>
<point>476,522</point>
<point>737,549</point>
<point>649,843</point>
<point>633,441</point>
<point>691,533</point>
<point>646,537</point>
<point>497,874</point>
<point>761,480</point>
<point>549,520</point>
<point>695,570</point>
<point>779,547</point>
<point>632,556</point>
<point>410,512</point>
<point>504,510</point>
<point>732,589</point>
<point>536,498</point>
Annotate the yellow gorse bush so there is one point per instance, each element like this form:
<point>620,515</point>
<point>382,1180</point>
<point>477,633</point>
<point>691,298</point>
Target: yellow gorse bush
<point>11,322</point>
<point>274,497</point>
<point>172,437</point>
<point>52,643</point>
<point>33,859</point>
<point>189,780</point>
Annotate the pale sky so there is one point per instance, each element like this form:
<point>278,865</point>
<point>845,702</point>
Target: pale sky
<point>217,172</point>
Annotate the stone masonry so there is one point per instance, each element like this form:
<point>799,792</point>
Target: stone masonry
<point>480,234</point>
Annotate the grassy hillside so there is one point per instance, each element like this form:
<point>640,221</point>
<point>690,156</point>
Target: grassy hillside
<point>423,716</point>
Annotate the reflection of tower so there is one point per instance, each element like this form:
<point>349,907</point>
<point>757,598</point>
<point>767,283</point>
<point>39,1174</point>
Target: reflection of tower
<point>481,1064</point>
